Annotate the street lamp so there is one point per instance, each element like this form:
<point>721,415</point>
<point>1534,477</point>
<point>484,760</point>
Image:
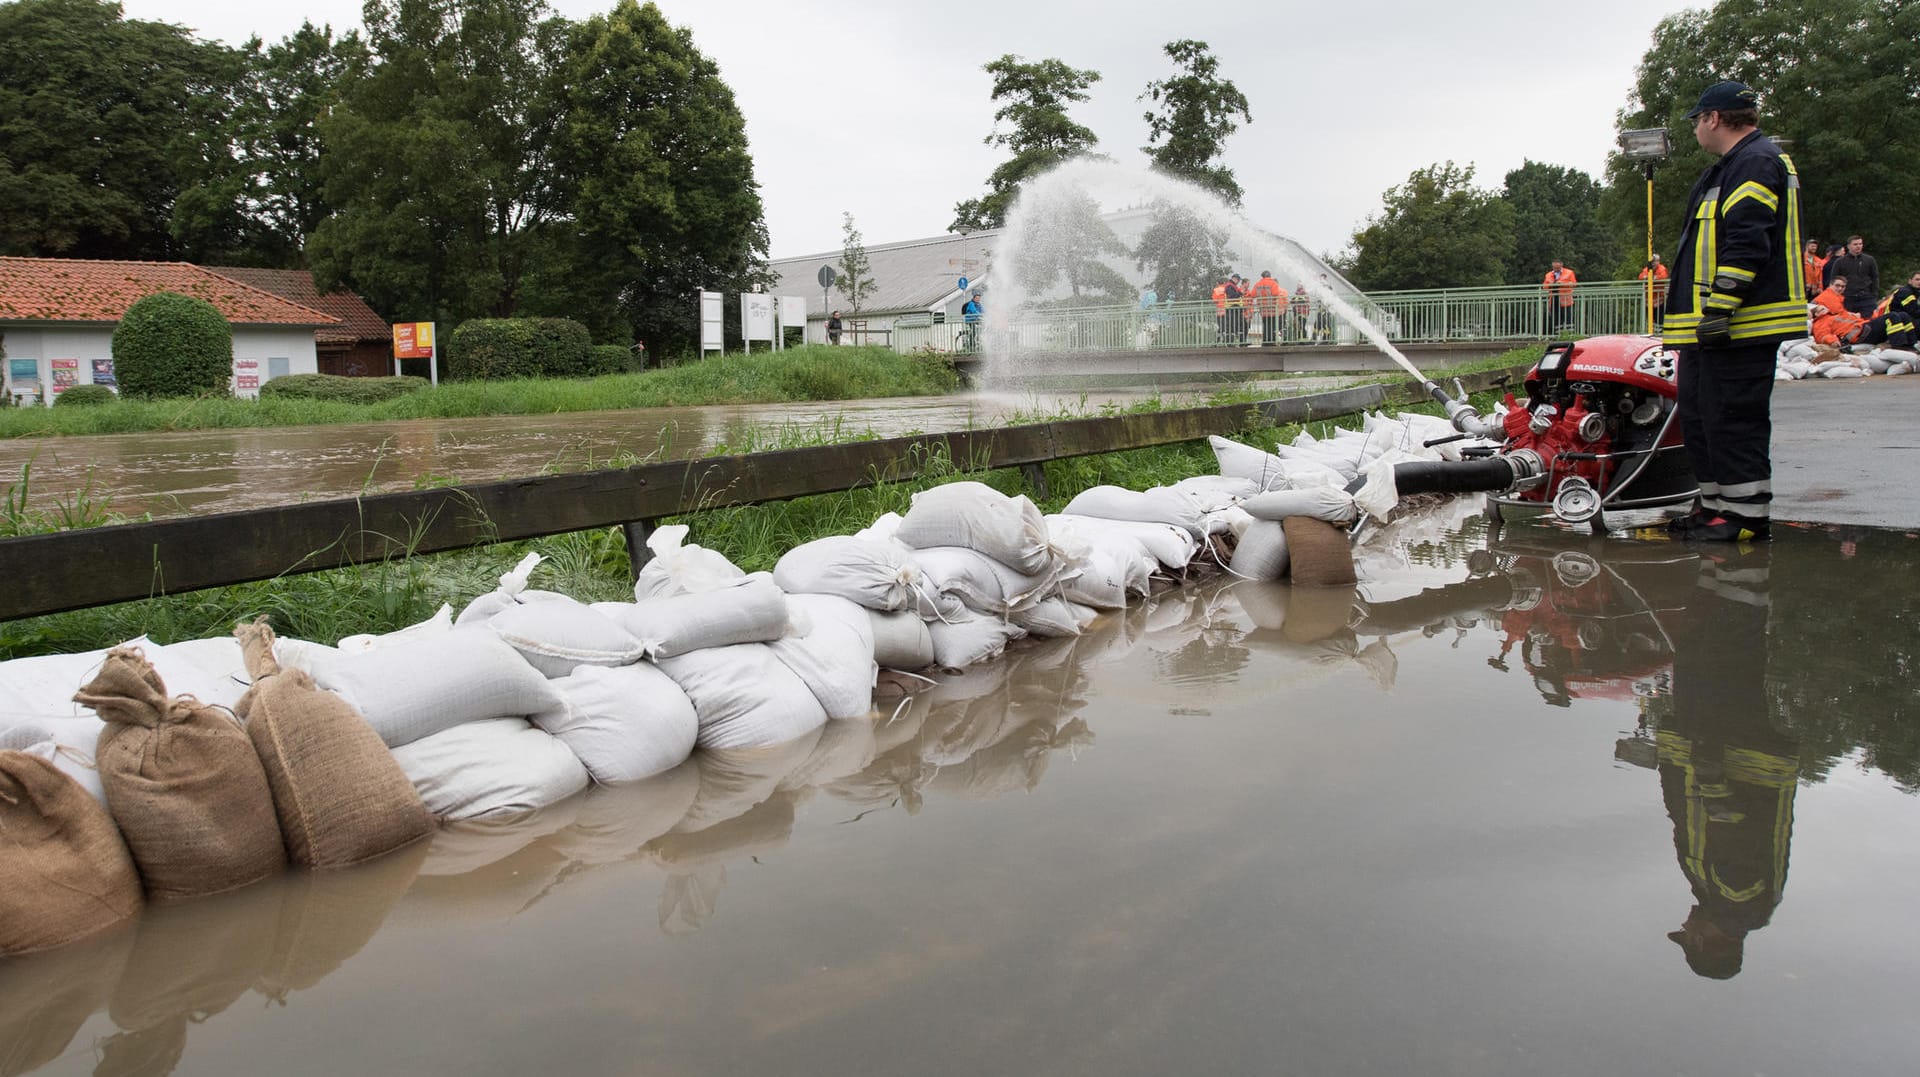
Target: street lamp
<point>1648,147</point>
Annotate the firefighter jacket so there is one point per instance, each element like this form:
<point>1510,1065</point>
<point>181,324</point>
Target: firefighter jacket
<point>1816,271</point>
<point>1234,296</point>
<point>1906,300</point>
<point>1740,250</point>
<point>1559,284</point>
<point>1269,296</point>
<point>1220,298</point>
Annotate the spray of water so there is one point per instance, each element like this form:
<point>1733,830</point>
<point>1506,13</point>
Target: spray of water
<point>1056,232</point>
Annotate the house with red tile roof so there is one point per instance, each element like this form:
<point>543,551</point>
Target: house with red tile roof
<point>360,346</point>
<point>57,317</point>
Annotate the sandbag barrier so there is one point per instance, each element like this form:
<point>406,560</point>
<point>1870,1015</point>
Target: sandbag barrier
<point>1798,360</point>
<point>326,756</point>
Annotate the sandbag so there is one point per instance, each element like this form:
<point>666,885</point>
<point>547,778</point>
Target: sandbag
<point>422,686</point>
<point>745,697</point>
<point>982,583</point>
<point>340,797</point>
<point>679,567</point>
<point>900,640</point>
<point>1267,471</point>
<point>441,621</point>
<point>1319,503</point>
<point>970,640</point>
<point>976,516</point>
<point>1215,492</point>
<point>512,591</point>
<point>492,769</point>
<point>67,873</point>
<point>746,609</point>
<point>875,575</point>
<point>1160,505</point>
<point>1262,552</point>
<point>625,723</point>
<point>67,743</point>
<point>833,653</point>
<point>1171,546</point>
<point>1054,618</point>
<point>1320,554</point>
<point>558,637</point>
<point>183,784</point>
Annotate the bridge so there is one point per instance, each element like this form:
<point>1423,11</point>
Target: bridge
<point>1188,364</point>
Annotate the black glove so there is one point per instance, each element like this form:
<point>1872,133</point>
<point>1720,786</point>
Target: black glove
<point>1715,331</point>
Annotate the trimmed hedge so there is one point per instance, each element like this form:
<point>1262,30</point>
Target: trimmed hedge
<point>342,390</point>
<point>85,396</point>
<point>612,359</point>
<point>491,349</point>
<point>170,344</point>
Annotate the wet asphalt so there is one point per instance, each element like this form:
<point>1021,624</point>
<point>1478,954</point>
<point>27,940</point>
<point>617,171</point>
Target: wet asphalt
<point>1847,452</point>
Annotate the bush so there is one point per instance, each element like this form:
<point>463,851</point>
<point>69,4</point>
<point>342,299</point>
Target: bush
<point>490,349</point>
<point>342,390</point>
<point>170,344</point>
<point>614,359</point>
<point>85,396</point>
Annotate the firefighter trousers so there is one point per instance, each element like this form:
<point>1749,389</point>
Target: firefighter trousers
<point>1726,396</point>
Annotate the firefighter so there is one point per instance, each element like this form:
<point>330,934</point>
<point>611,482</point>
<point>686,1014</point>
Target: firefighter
<point>1236,295</point>
<point>1302,312</point>
<point>1739,292</point>
<point>1906,298</point>
<point>1220,313</point>
<point>1271,299</point>
<point>1816,266</point>
<point>1655,271</point>
<point>1833,323</point>
<point>1558,284</point>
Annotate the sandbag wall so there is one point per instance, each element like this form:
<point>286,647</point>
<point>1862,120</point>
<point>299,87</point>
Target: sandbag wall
<point>326,756</point>
<point>1801,359</point>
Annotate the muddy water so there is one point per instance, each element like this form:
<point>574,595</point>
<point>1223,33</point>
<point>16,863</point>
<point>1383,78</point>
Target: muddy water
<point>1527,805</point>
<point>196,472</point>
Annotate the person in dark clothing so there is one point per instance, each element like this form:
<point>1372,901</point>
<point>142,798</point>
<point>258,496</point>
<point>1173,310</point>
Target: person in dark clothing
<point>1863,276</point>
<point>1906,299</point>
<point>1738,293</point>
<point>833,328</point>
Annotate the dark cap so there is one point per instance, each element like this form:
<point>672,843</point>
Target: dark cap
<point>1726,97</point>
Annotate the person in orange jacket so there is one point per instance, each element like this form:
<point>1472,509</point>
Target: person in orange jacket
<point>1813,266</point>
<point>1269,299</point>
<point>1220,313</point>
<point>1656,271</point>
<point>1833,323</point>
<point>1558,284</point>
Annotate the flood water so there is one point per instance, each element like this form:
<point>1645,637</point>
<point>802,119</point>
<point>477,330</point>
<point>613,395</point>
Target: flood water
<point>206,471</point>
<point>1533,804</point>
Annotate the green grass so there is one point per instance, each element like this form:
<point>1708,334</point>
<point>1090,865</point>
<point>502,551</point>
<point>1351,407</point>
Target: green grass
<point>798,374</point>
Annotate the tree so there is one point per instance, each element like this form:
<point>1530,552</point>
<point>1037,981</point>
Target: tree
<point>1038,133</point>
<point>1069,244</point>
<point>1437,231</point>
<point>1556,214</point>
<point>103,121</point>
<point>1186,137</point>
<point>1839,79</point>
<point>856,280</point>
<point>1185,255</point>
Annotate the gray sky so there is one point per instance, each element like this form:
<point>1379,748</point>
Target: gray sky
<point>878,108</point>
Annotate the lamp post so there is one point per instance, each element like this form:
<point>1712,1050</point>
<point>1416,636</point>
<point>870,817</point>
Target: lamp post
<point>1648,147</point>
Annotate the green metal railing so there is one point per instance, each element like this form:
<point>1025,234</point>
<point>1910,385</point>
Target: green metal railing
<point>1505,312</point>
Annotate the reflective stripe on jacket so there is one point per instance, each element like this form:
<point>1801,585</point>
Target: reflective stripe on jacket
<point>1740,249</point>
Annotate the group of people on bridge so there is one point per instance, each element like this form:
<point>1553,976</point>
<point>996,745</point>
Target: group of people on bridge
<point>1244,306</point>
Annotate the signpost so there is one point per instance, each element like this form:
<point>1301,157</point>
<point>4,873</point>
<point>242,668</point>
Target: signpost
<point>756,318</point>
<point>713,330</point>
<point>414,340</point>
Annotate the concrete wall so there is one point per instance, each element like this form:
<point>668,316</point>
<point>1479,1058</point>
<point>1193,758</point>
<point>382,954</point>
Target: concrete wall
<point>259,352</point>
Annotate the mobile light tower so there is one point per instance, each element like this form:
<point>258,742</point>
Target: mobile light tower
<point>1649,148</point>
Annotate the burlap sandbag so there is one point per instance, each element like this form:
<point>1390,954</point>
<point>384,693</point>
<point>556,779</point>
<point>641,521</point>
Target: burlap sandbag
<point>64,871</point>
<point>1321,554</point>
<point>182,782</point>
<point>340,796</point>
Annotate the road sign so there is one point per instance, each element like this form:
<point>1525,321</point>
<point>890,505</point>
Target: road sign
<point>826,276</point>
<point>962,285</point>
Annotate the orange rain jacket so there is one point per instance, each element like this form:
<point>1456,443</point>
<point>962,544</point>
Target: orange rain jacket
<point>1560,285</point>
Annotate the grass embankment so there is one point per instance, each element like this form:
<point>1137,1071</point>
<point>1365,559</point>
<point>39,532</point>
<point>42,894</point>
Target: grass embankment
<point>815,372</point>
<point>592,565</point>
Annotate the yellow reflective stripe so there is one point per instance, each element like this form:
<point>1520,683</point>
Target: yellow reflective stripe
<point>1747,894</point>
<point>1755,190</point>
<point>1736,273</point>
<point>1782,307</point>
<point>1756,767</point>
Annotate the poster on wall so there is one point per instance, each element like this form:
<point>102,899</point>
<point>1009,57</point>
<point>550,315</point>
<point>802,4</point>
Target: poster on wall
<point>65,374</point>
<point>103,372</point>
<point>20,371</point>
<point>246,375</point>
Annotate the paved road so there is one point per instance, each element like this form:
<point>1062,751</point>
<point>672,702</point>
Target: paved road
<point>1847,452</point>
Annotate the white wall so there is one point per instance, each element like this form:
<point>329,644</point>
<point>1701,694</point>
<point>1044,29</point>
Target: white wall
<point>261,345</point>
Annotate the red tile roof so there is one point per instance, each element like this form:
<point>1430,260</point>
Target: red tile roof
<point>358,321</point>
<point>80,290</point>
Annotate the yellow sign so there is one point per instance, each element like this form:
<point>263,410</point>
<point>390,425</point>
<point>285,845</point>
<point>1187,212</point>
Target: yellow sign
<point>413,340</point>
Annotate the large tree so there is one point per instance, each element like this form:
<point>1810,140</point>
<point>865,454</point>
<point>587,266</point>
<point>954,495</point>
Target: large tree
<point>1069,246</point>
<point>1840,79</point>
<point>1197,112</point>
<point>1556,214</point>
<point>1184,254</point>
<point>104,121</point>
<point>1436,231</point>
<point>1034,99</point>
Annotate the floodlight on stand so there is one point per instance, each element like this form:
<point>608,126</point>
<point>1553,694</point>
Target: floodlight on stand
<point>1653,144</point>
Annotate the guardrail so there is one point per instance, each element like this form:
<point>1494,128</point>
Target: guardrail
<point>69,570</point>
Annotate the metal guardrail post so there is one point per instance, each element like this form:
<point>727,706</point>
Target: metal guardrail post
<point>638,552</point>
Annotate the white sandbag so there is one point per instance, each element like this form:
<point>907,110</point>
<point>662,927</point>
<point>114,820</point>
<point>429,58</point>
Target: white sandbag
<point>1333,506</point>
<point>900,640</point>
<point>1781,375</point>
<point>43,686</point>
<point>1900,355</point>
<point>512,592</point>
<point>441,621</point>
<point>1898,369</point>
<point>1843,371</point>
<point>680,567</point>
<point>1799,368</point>
<point>1262,552</point>
<point>1160,505</point>
<point>419,687</point>
<point>1268,471</point>
<point>1171,546</point>
<point>491,769</point>
<point>1215,492</point>
<point>875,575</point>
<point>1799,350</point>
<point>1876,363</point>
<point>1111,574</point>
<point>884,529</point>
<point>984,584</point>
<point>747,609</point>
<point>210,670</point>
<point>624,722</point>
<point>557,637</point>
<point>1232,521</point>
<point>976,516</point>
<point>832,653</point>
<point>1054,618</point>
<point>971,640</point>
<point>744,696</point>
<point>67,743</point>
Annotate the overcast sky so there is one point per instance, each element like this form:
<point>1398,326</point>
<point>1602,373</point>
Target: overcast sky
<point>878,108</point>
